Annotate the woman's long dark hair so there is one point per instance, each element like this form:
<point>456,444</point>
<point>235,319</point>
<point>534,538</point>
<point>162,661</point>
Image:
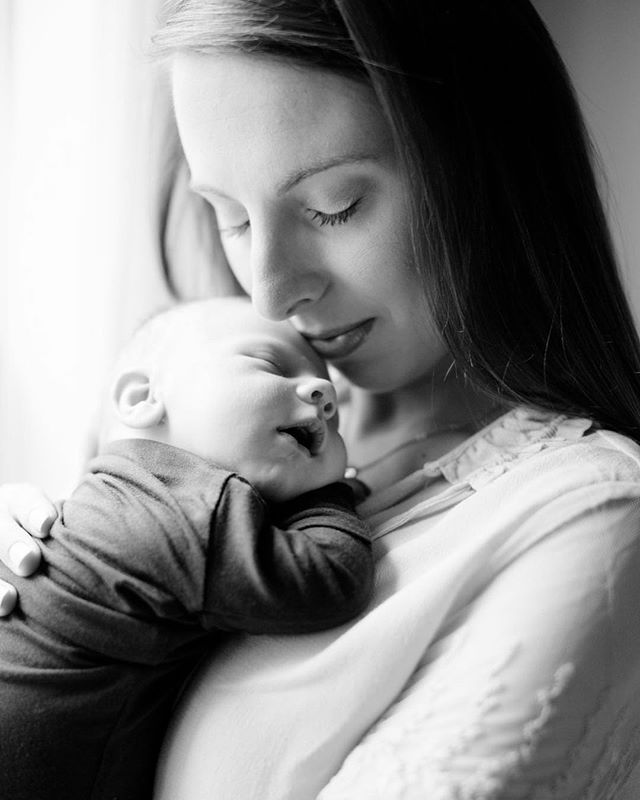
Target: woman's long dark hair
<point>509,235</point>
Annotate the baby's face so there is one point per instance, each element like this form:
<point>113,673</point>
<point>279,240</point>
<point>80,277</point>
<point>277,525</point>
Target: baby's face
<point>257,401</point>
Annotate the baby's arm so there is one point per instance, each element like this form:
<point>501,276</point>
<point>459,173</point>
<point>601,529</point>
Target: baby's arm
<point>156,535</point>
<point>301,567</point>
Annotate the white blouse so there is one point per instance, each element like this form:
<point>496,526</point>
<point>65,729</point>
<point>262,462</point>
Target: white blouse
<point>500,656</point>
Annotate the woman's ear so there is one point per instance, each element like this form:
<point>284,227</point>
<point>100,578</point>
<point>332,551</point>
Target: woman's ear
<point>136,404</point>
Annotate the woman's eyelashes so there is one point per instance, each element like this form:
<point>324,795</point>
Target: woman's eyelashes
<point>322,218</point>
<point>337,218</point>
<point>234,230</point>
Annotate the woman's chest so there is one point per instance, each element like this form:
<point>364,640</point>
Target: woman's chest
<point>273,717</point>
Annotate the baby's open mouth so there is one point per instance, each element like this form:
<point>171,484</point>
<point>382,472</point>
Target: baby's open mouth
<point>310,434</point>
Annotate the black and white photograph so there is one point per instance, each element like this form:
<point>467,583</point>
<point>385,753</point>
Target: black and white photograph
<point>320,400</point>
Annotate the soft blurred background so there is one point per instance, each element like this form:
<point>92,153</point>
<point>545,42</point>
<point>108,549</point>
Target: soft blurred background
<point>77,132</point>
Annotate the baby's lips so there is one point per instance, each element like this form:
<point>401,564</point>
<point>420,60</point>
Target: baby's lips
<point>320,436</point>
<point>310,433</point>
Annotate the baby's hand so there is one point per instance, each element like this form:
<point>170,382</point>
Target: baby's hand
<point>25,512</point>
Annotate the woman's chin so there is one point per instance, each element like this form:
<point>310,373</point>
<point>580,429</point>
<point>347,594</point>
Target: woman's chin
<point>371,380</point>
<point>394,371</point>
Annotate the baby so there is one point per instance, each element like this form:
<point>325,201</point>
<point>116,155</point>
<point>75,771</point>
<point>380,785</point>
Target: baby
<point>214,506</point>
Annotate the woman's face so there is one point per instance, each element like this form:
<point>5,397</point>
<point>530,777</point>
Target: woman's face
<point>299,166</point>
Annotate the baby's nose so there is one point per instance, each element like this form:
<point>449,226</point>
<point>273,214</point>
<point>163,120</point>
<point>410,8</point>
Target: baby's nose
<point>319,392</point>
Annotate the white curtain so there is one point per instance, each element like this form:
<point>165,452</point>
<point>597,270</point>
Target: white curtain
<point>74,87</point>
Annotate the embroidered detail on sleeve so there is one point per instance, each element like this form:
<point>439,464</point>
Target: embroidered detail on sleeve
<point>433,725</point>
<point>437,738</point>
<point>546,702</point>
<point>599,766</point>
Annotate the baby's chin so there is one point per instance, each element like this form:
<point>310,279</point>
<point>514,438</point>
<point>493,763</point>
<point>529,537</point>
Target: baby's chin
<point>280,491</point>
<point>284,483</point>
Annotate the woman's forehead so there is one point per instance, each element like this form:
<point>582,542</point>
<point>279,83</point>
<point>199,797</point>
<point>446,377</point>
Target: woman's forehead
<point>235,77</point>
<point>241,115</point>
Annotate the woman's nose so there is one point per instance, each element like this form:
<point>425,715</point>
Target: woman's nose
<point>284,276</point>
<point>319,392</point>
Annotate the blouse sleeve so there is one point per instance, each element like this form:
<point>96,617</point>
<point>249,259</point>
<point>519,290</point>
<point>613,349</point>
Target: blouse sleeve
<point>534,694</point>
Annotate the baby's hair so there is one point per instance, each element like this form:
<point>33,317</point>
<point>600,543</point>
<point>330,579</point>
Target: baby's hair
<point>151,315</point>
<point>149,338</point>
<point>152,336</point>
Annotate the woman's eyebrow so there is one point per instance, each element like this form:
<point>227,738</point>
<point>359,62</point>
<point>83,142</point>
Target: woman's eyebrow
<point>321,166</point>
<point>299,175</point>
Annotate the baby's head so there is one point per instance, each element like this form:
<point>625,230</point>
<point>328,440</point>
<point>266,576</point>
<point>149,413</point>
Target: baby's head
<point>251,395</point>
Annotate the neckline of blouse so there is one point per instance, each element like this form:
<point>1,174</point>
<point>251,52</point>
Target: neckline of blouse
<point>516,434</point>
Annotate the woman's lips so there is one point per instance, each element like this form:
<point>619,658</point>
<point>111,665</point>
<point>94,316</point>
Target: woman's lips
<point>342,342</point>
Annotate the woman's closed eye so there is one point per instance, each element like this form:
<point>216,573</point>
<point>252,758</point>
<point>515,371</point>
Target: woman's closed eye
<point>338,217</point>
<point>321,217</point>
<point>230,216</point>
<point>231,231</point>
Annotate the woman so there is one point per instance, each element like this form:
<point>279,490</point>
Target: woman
<point>410,184</point>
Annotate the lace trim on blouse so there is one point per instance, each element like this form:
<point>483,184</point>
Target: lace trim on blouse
<point>517,434</point>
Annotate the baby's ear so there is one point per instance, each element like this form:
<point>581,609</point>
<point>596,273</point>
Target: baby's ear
<point>135,401</point>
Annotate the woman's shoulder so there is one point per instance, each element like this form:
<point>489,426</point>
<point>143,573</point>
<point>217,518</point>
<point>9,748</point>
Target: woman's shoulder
<point>564,483</point>
<point>614,451</point>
